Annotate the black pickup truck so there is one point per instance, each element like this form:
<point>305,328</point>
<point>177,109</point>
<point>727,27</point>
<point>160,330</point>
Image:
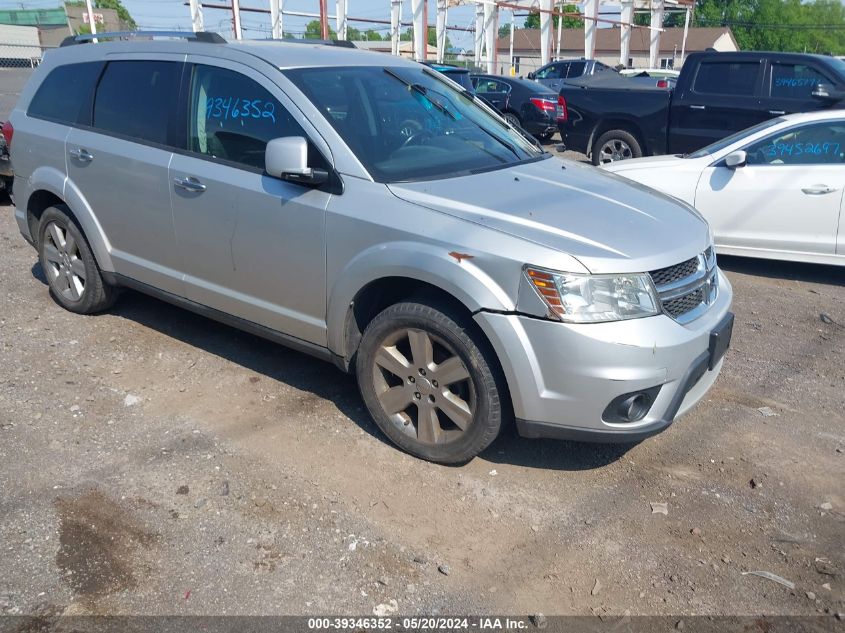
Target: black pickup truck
<point>716,94</point>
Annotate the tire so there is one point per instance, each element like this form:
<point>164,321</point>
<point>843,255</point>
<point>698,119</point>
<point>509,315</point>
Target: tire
<point>615,145</point>
<point>427,342</point>
<point>72,273</point>
<point>513,119</point>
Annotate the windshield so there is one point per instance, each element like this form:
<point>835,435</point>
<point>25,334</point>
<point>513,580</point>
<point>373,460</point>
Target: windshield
<point>733,138</point>
<point>410,124</point>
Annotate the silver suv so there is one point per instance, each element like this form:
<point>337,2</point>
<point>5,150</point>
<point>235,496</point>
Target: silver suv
<point>368,210</point>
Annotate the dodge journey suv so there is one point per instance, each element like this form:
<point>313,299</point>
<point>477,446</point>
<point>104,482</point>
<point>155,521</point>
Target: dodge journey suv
<point>370,211</point>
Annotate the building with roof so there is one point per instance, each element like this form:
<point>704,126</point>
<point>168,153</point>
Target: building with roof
<point>406,48</point>
<point>526,46</point>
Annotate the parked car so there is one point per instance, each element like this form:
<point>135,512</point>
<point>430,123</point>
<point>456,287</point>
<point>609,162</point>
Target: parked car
<point>463,274</point>
<point>555,74</point>
<point>716,94</point>
<point>458,74</point>
<point>772,191</point>
<point>5,163</point>
<point>523,103</point>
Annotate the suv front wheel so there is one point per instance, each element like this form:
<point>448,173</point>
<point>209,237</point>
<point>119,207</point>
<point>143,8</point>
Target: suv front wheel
<point>430,382</point>
<point>67,261</point>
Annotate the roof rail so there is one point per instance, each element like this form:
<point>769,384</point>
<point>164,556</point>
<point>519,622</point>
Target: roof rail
<point>296,40</point>
<point>199,36</point>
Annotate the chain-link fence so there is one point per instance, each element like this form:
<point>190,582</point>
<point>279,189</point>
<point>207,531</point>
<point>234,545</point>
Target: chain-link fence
<point>14,55</point>
<point>12,80</point>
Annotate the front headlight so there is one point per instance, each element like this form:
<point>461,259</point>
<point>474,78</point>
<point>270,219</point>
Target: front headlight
<point>578,298</point>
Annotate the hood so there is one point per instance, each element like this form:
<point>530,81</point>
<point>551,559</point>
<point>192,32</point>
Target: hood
<point>610,224</point>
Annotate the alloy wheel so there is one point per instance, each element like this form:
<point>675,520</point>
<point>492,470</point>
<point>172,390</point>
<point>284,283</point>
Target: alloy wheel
<point>423,386</point>
<point>614,150</point>
<point>65,268</point>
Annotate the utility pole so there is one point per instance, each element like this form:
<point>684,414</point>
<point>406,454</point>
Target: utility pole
<point>91,22</point>
<point>236,19</point>
<point>324,20</point>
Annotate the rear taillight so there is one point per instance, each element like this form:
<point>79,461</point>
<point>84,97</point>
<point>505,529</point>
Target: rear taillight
<point>546,105</point>
<point>563,112</point>
<point>8,131</point>
<point>662,83</point>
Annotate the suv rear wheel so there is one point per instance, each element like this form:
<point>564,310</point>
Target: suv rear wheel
<point>67,261</point>
<point>429,382</point>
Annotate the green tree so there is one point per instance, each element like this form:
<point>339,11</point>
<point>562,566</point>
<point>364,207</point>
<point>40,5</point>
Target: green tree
<point>122,13</point>
<point>408,35</point>
<point>373,36</point>
<point>312,31</point>
<point>574,22</point>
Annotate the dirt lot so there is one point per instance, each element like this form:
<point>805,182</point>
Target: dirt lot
<point>152,461</point>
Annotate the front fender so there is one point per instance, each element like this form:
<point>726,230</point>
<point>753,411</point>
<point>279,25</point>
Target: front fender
<point>431,264</point>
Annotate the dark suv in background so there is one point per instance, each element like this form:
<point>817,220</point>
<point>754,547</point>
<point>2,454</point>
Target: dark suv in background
<point>555,74</point>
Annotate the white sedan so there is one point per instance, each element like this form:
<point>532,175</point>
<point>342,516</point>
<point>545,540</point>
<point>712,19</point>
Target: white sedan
<point>774,190</point>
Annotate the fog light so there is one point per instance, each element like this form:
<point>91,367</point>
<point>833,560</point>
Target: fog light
<point>630,407</point>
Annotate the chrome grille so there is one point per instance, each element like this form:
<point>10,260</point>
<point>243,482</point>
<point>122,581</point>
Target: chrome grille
<point>688,288</point>
<point>674,273</point>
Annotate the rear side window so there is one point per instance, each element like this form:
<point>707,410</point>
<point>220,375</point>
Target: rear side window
<point>795,81</point>
<point>65,92</point>
<point>137,99</point>
<point>737,79</point>
<point>576,69</point>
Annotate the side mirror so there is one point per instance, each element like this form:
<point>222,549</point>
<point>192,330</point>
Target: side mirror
<point>287,158</point>
<point>532,75</point>
<point>736,159</point>
<point>826,92</point>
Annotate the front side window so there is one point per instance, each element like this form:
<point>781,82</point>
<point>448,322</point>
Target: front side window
<point>137,99</point>
<point>406,123</point>
<point>811,144</point>
<point>65,92</point>
<point>795,81</point>
<point>737,79</point>
<point>232,117</point>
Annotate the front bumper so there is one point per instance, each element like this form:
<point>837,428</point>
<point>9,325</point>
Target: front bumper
<point>563,376</point>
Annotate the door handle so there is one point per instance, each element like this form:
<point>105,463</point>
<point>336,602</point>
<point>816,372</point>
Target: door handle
<point>698,107</point>
<point>818,190</point>
<point>777,112</point>
<point>189,183</point>
<point>82,155</point>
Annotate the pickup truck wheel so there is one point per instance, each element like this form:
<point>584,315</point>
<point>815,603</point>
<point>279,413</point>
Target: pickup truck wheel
<point>72,273</point>
<point>428,382</point>
<point>615,145</point>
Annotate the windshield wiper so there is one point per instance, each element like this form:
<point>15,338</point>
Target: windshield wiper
<point>422,90</point>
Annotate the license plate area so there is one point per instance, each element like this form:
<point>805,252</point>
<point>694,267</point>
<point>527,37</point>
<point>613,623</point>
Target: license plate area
<point>720,340</point>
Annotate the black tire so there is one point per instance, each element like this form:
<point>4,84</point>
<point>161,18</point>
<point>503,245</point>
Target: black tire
<point>72,273</point>
<point>480,395</point>
<point>623,145</point>
<point>512,118</point>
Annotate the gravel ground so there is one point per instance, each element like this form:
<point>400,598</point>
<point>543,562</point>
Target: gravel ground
<point>155,462</point>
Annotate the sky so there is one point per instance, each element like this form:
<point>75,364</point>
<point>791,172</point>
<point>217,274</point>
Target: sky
<point>173,14</point>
